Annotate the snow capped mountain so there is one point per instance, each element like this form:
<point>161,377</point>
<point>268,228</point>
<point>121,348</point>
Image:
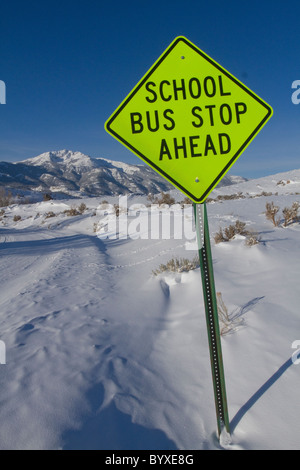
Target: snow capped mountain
<point>65,159</point>
<point>74,174</point>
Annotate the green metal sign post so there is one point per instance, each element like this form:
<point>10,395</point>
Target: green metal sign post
<point>212,319</point>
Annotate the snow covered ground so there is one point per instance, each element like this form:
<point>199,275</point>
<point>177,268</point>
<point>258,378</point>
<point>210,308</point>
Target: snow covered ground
<point>101,354</point>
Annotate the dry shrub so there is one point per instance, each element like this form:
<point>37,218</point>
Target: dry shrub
<point>120,210</point>
<point>72,212</point>
<point>76,211</point>
<point>186,201</point>
<point>5,197</point>
<point>290,214</point>
<point>151,198</point>
<point>252,239</point>
<point>178,265</point>
<point>240,227</point>
<point>117,210</point>
<point>163,198</point>
<point>228,322</point>
<point>271,211</point>
<point>223,314</point>
<point>82,208</point>
<point>228,197</point>
<point>230,232</point>
<point>50,214</point>
<point>219,237</point>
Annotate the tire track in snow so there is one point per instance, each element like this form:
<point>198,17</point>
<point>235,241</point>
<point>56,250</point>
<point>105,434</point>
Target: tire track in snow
<point>52,316</point>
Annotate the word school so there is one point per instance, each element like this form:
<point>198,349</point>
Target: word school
<point>208,117</point>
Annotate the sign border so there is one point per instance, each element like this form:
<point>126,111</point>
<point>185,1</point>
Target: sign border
<point>146,77</point>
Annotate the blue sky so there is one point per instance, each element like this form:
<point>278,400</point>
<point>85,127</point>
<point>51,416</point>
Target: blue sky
<point>68,64</point>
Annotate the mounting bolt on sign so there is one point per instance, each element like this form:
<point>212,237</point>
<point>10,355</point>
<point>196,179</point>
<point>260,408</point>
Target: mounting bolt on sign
<point>190,120</point>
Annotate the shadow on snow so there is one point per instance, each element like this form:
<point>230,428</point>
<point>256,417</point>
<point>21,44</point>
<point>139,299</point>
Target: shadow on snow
<point>110,429</point>
<point>257,395</point>
<point>48,245</point>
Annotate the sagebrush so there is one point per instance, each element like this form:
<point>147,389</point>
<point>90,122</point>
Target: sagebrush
<point>252,238</point>
<point>229,232</point>
<point>178,265</point>
<point>290,214</point>
<point>228,322</point>
<point>5,197</point>
<point>271,212</point>
<point>162,198</point>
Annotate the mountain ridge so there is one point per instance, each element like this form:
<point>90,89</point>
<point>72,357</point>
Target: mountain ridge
<point>72,173</point>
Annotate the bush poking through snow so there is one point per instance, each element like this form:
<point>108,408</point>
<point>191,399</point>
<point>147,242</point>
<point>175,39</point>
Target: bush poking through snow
<point>223,314</point>
<point>50,214</point>
<point>81,208</point>
<point>117,210</point>
<point>186,201</point>
<point>120,210</point>
<point>76,211</point>
<point>219,237</point>
<point>72,212</point>
<point>177,265</point>
<point>230,232</point>
<point>271,211</point>
<point>5,197</point>
<point>17,218</point>
<point>228,323</point>
<point>163,198</point>
<point>290,214</point>
<point>252,239</point>
<point>228,197</point>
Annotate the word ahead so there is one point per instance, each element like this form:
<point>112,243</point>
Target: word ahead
<point>189,119</point>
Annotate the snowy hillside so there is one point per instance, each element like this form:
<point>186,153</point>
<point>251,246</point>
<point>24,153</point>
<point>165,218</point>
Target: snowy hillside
<point>278,184</point>
<point>102,354</point>
<point>67,173</point>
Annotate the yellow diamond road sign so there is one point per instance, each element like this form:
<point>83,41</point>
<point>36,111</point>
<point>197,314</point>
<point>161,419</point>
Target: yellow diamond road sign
<point>189,119</point>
